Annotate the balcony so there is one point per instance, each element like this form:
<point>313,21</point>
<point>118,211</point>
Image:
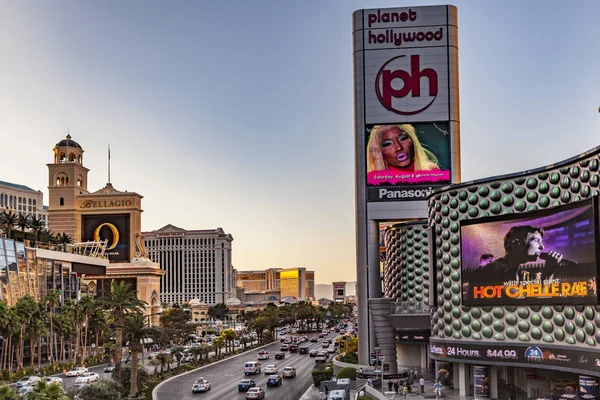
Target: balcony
<point>410,314</point>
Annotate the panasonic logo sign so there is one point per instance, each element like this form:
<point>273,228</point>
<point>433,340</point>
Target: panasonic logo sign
<point>404,193</point>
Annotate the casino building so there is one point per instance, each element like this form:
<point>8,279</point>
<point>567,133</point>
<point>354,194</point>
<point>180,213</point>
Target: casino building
<point>489,283</point>
<point>106,214</point>
<point>197,264</point>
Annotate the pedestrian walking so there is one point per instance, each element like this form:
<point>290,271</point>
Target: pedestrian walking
<point>396,386</point>
<point>390,385</point>
<point>370,381</point>
<point>422,384</point>
<point>405,391</point>
<point>437,388</point>
<point>326,390</point>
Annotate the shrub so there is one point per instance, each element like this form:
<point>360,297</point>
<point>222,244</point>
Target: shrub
<point>350,357</point>
<point>320,375</point>
<point>347,372</point>
<point>364,398</point>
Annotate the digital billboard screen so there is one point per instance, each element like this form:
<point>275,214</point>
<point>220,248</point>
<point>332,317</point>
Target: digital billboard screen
<point>114,229</point>
<point>538,257</point>
<point>408,154</point>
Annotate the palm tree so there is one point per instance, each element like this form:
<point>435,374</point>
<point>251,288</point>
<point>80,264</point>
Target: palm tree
<point>155,362</point>
<point>8,393</point>
<point>52,300</point>
<point>135,332</point>
<point>35,331</point>
<point>23,222</point>
<point>120,301</point>
<point>218,344</point>
<point>197,352</point>
<point>165,360</point>
<point>177,353</point>
<point>9,331</point>
<point>63,239</point>
<point>26,308</point>
<point>229,336</point>
<point>37,226</point>
<point>8,220</point>
<point>87,306</point>
<point>47,391</point>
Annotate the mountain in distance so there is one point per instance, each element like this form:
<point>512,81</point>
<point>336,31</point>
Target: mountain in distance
<point>326,290</point>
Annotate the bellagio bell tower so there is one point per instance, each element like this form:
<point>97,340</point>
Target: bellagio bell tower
<point>67,179</point>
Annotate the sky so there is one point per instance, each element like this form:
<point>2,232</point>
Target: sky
<point>239,114</point>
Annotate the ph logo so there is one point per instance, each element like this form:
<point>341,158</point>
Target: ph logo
<point>395,83</point>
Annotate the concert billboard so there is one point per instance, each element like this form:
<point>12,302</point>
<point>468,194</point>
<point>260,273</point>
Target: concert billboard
<point>114,228</point>
<point>538,257</point>
<point>408,154</point>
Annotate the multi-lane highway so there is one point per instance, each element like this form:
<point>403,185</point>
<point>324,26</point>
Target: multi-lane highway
<point>225,376</point>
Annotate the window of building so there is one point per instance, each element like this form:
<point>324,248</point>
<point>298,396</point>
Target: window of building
<point>62,201</point>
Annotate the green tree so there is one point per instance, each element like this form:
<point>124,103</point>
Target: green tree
<point>176,324</point>
<point>87,306</point>
<point>218,311</point>
<point>63,238</point>
<point>34,331</point>
<point>52,300</point>
<point>104,389</point>
<point>8,220</point>
<point>47,391</point>
<point>26,308</point>
<point>134,333</point>
<point>177,354</point>
<point>23,222</point>
<point>122,299</point>
<point>125,380</point>
<point>8,393</point>
<point>37,225</point>
<point>229,336</point>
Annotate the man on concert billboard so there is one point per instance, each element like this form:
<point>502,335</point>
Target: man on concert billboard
<point>546,258</point>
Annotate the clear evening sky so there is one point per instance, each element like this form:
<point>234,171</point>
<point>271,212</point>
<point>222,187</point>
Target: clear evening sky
<point>239,114</point>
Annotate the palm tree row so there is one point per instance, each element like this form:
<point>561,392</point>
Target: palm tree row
<point>30,223</point>
<point>307,316</point>
<point>60,335</point>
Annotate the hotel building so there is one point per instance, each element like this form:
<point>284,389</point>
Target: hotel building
<point>197,264</point>
<point>19,199</point>
<point>294,282</point>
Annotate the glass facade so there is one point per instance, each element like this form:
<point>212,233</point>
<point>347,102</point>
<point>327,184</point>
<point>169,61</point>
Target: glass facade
<point>22,273</point>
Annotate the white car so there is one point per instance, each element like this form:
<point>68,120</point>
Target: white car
<point>263,355</point>
<point>88,377</point>
<point>271,369</point>
<point>201,385</point>
<point>28,381</point>
<point>77,371</point>
<point>54,379</point>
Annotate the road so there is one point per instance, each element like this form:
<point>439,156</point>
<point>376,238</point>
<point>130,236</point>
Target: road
<point>225,376</point>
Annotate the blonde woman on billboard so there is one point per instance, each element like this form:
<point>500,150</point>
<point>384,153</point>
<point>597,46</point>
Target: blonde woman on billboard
<point>395,155</point>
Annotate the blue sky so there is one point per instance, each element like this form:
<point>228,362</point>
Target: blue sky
<point>239,114</point>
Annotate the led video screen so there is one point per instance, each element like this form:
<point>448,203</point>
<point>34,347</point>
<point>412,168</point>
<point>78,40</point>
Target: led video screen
<point>408,154</point>
<point>533,258</point>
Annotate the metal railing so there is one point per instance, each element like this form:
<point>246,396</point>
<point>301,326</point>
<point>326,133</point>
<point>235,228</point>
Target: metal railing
<point>410,307</point>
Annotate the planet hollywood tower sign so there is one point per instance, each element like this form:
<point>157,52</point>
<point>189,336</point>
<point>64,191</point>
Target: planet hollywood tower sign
<point>406,127</point>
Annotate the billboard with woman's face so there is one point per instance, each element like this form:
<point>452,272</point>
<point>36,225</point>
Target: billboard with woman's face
<point>408,154</point>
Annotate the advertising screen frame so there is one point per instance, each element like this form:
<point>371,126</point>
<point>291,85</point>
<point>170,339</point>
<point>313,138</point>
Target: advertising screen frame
<point>549,301</point>
<point>425,135</point>
<point>120,222</point>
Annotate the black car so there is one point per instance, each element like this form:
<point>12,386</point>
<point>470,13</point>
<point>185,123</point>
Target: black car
<point>279,355</point>
<point>313,353</point>
<point>284,347</point>
<point>314,339</point>
<point>274,380</point>
<point>245,384</point>
<point>294,348</point>
<point>303,350</point>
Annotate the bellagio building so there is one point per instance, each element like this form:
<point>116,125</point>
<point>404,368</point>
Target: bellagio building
<point>197,262</point>
<point>105,216</point>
